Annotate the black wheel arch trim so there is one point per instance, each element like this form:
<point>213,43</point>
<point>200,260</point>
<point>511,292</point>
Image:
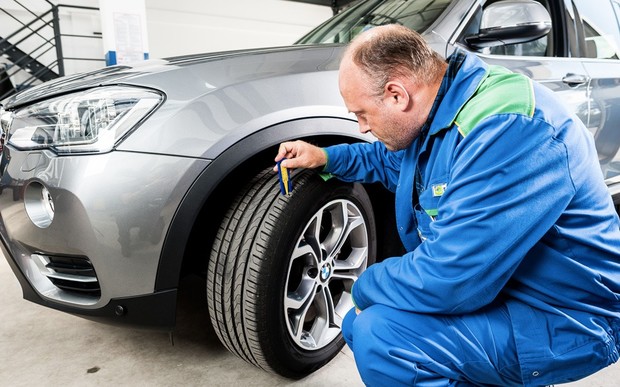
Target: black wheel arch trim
<point>173,251</point>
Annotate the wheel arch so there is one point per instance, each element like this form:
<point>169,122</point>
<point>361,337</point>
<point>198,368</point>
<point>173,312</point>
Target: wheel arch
<point>188,241</point>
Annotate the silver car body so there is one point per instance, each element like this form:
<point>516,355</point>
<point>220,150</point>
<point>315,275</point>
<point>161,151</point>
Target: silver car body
<point>131,212</point>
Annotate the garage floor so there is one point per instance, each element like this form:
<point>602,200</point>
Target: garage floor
<point>43,347</point>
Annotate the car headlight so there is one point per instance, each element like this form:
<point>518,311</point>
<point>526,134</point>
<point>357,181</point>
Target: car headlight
<point>88,121</point>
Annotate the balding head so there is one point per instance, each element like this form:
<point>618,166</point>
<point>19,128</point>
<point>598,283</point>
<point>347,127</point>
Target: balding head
<point>389,51</point>
<point>389,77</point>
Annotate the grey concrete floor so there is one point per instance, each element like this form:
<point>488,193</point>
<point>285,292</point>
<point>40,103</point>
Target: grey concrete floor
<point>43,347</point>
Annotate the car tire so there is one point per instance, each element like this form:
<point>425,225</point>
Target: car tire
<point>276,296</point>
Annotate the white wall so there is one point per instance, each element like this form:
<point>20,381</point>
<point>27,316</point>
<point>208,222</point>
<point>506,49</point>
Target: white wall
<point>189,26</point>
<point>181,27</point>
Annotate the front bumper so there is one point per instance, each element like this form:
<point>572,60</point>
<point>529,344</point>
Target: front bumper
<point>152,311</point>
<point>111,212</point>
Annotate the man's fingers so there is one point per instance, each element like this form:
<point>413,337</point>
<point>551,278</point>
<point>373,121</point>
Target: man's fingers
<point>286,150</point>
<point>283,151</point>
<point>299,154</point>
<point>294,162</point>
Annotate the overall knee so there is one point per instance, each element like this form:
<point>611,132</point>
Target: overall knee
<point>371,341</point>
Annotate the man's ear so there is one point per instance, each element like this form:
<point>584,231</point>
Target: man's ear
<point>396,95</point>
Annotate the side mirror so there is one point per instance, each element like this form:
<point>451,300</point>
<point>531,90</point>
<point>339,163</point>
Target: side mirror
<point>511,22</point>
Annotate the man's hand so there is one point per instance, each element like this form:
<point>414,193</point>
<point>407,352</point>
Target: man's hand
<point>300,154</point>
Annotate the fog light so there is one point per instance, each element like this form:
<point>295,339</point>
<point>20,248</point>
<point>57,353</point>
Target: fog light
<point>39,204</point>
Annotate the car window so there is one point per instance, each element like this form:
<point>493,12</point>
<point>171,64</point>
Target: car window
<point>600,28</point>
<point>417,15</point>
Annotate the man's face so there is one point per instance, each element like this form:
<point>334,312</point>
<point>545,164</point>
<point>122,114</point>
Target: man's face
<point>378,114</point>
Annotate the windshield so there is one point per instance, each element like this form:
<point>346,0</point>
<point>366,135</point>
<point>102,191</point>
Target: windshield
<point>342,28</point>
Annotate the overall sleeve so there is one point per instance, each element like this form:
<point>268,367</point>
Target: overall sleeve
<point>509,183</point>
<point>365,163</point>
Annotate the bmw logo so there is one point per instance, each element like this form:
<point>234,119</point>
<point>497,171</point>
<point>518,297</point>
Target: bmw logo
<point>326,271</point>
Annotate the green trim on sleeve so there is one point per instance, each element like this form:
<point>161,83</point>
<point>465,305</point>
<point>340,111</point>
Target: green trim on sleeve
<point>326,157</point>
<point>325,175</point>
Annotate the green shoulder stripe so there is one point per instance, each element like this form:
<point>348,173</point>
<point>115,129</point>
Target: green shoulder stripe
<point>500,92</point>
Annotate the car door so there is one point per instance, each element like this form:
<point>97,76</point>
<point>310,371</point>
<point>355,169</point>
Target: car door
<point>551,60</point>
<point>600,33</point>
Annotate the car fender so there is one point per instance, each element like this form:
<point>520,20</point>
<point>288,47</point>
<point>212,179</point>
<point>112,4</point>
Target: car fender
<point>227,162</point>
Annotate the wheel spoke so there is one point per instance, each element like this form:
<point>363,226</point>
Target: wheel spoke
<point>301,296</point>
<point>349,224</point>
<point>312,234</point>
<point>349,268</point>
<point>339,217</point>
<point>304,250</point>
<point>297,305</point>
<point>325,316</point>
